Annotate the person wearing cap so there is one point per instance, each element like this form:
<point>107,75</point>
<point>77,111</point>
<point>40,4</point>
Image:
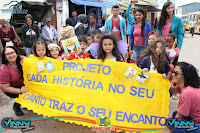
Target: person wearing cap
<point>49,33</point>
<point>79,27</point>
<point>30,33</point>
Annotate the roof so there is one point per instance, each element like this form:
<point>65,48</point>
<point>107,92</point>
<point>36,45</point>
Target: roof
<point>190,3</point>
<point>92,3</point>
<point>151,8</point>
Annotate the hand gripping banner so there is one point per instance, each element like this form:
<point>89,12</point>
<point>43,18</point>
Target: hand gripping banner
<point>86,90</point>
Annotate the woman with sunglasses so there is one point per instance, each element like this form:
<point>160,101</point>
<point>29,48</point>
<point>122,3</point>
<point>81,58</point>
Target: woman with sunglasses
<point>185,76</point>
<point>11,76</point>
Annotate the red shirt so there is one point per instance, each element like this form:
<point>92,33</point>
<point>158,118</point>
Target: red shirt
<point>116,28</point>
<point>75,56</point>
<point>139,40</point>
<point>9,74</point>
<point>189,102</point>
<point>10,34</point>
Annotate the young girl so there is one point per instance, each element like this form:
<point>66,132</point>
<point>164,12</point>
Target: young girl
<point>40,49</point>
<point>151,37</point>
<point>154,59</point>
<point>172,53</point>
<point>108,49</point>
<point>54,51</point>
<point>171,50</point>
<point>97,36</point>
<point>63,54</point>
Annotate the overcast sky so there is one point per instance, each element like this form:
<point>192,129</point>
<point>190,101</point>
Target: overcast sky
<point>177,2</point>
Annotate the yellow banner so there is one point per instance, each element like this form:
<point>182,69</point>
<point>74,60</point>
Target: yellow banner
<point>84,90</point>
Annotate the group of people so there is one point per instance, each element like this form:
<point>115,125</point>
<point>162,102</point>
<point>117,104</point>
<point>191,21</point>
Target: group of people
<point>155,51</point>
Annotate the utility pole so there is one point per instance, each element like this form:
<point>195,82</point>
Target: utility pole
<point>174,5</point>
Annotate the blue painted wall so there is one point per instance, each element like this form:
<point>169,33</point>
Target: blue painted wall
<point>194,7</point>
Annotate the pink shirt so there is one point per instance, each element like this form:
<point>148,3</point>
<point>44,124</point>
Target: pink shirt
<point>139,40</point>
<point>189,102</point>
<point>116,28</point>
<point>166,28</point>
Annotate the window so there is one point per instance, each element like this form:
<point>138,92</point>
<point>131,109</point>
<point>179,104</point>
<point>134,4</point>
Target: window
<point>179,11</point>
<point>184,19</point>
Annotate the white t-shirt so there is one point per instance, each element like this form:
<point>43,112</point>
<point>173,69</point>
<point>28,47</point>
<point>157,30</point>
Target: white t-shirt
<point>192,24</point>
<point>152,68</point>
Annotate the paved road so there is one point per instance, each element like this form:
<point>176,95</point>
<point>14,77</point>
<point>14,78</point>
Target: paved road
<point>189,53</point>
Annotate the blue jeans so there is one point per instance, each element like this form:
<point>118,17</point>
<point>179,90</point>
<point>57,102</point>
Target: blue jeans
<point>137,50</point>
<point>184,130</point>
<point>27,50</point>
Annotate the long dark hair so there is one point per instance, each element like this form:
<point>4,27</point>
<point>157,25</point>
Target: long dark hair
<point>18,60</point>
<point>115,51</point>
<point>164,15</point>
<point>139,9</point>
<point>190,73</point>
<point>158,61</point>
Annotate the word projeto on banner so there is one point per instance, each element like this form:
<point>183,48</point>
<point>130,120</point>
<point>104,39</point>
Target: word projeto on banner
<point>82,91</point>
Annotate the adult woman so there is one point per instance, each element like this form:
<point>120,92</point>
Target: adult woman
<point>185,76</point>
<point>67,31</point>
<point>139,33</point>
<point>169,22</point>
<point>11,76</point>
<point>7,34</point>
<point>93,26</point>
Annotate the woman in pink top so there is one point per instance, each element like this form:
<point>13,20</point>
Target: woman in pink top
<point>139,34</point>
<point>11,76</point>
<point>185,76</point>
<point>169,22</point>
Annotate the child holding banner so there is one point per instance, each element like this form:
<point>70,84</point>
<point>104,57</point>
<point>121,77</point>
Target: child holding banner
<point>108,48</point>
<point>40,49</point>
<point>154,59</point>
<point>80,53</point>
<point>186,77</point>
<point>54,51</point>
<point>151,38</point>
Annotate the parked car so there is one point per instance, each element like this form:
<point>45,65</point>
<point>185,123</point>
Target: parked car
<point>39,11</point>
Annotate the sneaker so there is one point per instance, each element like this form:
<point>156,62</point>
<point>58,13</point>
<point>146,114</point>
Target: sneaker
<point>18,111</point>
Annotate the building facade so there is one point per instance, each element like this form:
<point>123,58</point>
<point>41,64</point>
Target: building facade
<point>192,7</point>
